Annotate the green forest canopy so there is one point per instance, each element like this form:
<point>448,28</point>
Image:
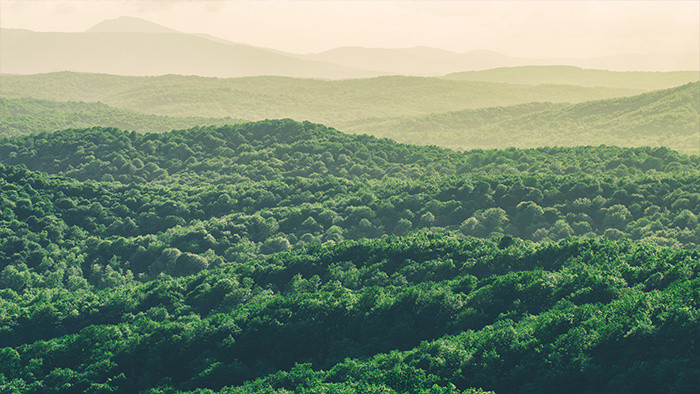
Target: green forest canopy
<point>279,255</point>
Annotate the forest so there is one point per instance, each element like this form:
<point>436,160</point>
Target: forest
<point>281,256</point>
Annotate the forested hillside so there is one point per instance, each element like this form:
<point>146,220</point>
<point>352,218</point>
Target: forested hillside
<point>660,118</point>
<point>279,255</point>
<point>570,75</point>
<point>26,115</point>
<point>256,98</point>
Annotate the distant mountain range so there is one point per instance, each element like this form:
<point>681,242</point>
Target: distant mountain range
<point>323,101</point>
<point>133,46</point>
<point>659,118</point>
<point>128,46</point>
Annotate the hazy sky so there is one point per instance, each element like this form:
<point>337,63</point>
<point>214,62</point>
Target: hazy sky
<point>518,28</point>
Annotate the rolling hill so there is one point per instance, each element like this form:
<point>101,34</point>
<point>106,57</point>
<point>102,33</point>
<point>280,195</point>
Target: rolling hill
<point>256,98</point>
<point>26,115</point>
<point>660,118</point>
<point>570,75</point>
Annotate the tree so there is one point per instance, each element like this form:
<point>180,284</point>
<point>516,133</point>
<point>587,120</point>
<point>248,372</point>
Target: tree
<point>188,264</point>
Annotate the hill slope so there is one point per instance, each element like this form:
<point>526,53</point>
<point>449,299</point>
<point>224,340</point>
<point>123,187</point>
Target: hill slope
<point>570,75</point>
<point>26,115</point>
<point>148,53</point>
<point>660,118</point>
<point>254,98</point>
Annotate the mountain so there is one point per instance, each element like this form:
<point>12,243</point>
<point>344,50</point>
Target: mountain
<point>26,115</point>
<point>133,46</point>
<point>128,24</point>
<point>106,49</point>
<point>660,118</point>
<point>570,75</point>
<point>432,61</point>
<point>256,98</point>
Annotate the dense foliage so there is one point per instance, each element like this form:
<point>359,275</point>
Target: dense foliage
<point>315,184</point>
<point>285,256</point>
<point>423,313</point>
<point>26,115</point>
<point>660,118</point>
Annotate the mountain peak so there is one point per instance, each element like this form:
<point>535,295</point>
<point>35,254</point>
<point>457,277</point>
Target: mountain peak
<point>129,24</point>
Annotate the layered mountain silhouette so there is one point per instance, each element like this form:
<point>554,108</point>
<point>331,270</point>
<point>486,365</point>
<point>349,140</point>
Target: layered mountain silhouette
<point>133,46</point>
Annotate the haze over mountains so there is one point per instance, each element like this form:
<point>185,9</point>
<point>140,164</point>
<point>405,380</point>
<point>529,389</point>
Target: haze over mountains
<point>133,46</point>
<point>660,118</point>
<point>139,53</point>
<point>256,98</point>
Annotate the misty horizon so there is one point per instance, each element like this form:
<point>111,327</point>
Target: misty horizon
<point>168,30</point>
<point>134,46</point>
<point>522,29</point>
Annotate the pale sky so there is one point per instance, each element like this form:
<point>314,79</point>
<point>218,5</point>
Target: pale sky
<point>516,28</point>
